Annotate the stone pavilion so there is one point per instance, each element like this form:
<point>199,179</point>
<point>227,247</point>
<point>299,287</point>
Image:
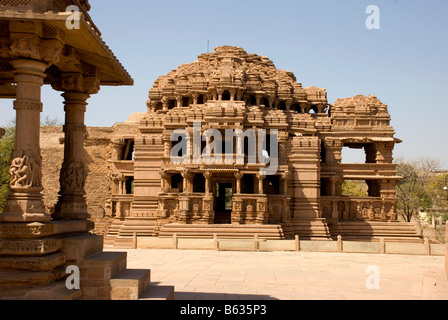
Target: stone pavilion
<point>36,247</point>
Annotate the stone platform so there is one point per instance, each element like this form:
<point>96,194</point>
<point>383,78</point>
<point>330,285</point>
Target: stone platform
<point>217,275</point>
<point>34,268</point>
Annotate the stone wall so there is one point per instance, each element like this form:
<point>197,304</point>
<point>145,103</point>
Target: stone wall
<point>98,150</point>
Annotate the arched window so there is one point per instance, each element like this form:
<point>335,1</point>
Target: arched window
<point>199,183</point>
<point>248,184</point>
<point>282,105</point>
<point>159,106</point>
<point>266,102</point>
<point>177,182</point>
<point>185,101</point>
<point>172,104</point>
<point>201,99</point>
<point>226,96</point>
<point>297,108</point>
<point>253,100</point>
<point>314,109</point>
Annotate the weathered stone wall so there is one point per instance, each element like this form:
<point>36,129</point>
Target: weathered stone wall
<point>98,150</point>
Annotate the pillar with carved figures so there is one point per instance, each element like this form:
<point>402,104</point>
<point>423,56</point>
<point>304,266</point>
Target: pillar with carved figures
<point>25,203</point>
<point>77,89</point>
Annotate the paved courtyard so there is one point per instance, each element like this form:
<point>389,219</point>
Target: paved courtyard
<point>213,275</point>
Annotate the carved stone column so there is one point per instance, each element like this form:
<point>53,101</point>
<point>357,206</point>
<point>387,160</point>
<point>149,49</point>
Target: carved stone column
<point>25,202</point>
<point>163,181</point>
<point>78,87</point>
<point>187,185</point>
<point>238,177</point>
<point>260,183</point>
<point>72,204</point>
<point>285,178</point>
<point>208,179</point>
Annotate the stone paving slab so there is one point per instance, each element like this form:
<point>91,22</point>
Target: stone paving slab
<point>217,275</point>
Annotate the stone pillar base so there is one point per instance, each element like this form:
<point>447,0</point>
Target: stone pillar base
<point>24,207</point>
<point>71,207</point>
<point>33,255</point>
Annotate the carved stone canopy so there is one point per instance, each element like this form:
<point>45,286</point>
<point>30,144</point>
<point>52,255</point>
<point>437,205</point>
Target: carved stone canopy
<point>231,73</point>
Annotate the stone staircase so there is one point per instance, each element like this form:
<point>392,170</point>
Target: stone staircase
<point>267,232</point>
<point>120,233</point>
<point>105,276</point>
<point>311,229</point>
<point>373,231</point>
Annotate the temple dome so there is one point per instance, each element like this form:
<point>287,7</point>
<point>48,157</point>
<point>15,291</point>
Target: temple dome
<point>228,73</point>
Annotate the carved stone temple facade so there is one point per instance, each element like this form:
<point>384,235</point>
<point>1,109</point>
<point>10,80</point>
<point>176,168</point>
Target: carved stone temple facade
<point>37,48</point>
<point>231,89</point>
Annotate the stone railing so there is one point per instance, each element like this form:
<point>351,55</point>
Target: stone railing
<point>121,206</point>
<point>187,208</point>
<point>246,208</point>
<point>362,169</point>
<point>359,208</point>
<point>249,209</point>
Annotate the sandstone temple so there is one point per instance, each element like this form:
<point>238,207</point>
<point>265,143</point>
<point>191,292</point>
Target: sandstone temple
<point>75,190</point>
<point>230,89</point>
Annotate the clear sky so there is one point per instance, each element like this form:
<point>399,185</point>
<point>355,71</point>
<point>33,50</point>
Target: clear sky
<point>323,42</point>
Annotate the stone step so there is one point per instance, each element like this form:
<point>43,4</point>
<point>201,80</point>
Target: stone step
<point>311,229</point>
<point>154,292</point>
<point>130,284</point>
<point>222,231</point>
<point>96,272</point>
<point>386,239</point>
<point>78,248</point>
<point>373,231</point>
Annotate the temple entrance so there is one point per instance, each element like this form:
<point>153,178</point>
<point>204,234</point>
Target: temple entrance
<point>224,195</point>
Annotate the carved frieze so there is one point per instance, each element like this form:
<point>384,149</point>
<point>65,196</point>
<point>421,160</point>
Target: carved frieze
<point>25,46</point>
<point>73,177</point>
<point>30,247</point>
<point>28,105</point>
<point>73,127</point>
<point>31,230</point>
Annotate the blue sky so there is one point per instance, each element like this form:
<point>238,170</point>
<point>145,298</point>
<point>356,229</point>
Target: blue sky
<point>324,43</point>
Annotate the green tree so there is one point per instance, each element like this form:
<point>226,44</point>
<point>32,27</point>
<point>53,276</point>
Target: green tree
<point>412,191</point>
<point>6,148</point>
<point>353,188</point>
<point>439,195</point>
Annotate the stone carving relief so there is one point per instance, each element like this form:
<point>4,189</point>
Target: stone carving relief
<point>73,177</point>
<point>25,173</point>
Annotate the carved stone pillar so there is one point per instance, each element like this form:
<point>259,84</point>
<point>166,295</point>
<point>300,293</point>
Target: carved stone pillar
<point>72,203</point>
<point>118,145</point>
<point>208,179</point>
<point>260,183</point>
<point>187,183</point>
<point>165,104</point>
<point>285,177</point>
<point>163,181</point>
<point>25,202</point>
<point>238,177</point>
<point>77,87</point>
<point>232,94</point>
<point>333,181</point>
